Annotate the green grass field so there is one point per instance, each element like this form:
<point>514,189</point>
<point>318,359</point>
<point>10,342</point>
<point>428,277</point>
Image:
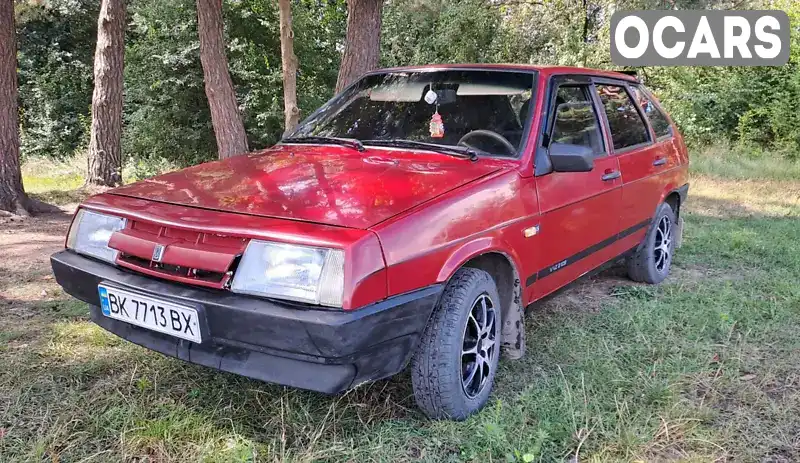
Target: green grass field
<point>703,367</point>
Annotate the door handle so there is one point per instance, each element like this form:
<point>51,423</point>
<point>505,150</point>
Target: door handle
<point>613,175</point>
<point>660,161</point>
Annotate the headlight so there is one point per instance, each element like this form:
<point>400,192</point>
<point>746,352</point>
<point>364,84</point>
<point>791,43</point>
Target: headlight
<point>287,271</point>
<point>90,233</point>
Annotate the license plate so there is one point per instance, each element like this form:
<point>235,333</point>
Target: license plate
<point>165,317</point>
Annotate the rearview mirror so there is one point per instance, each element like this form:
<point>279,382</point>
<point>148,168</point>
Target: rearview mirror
<point>445,96</point>
<point>566,157</point>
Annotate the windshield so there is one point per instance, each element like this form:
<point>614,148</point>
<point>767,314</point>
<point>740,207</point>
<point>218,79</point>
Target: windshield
<point>481,109</point>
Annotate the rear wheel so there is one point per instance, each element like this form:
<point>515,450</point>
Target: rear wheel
<point>651,263</point>
<point>454,368</point>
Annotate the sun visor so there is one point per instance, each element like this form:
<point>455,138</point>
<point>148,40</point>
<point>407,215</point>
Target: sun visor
<point>470,89</point>
<point>407,91</point>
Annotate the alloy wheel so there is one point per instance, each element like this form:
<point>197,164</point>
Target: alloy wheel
<point>478,348</point>
<point>662,251</point>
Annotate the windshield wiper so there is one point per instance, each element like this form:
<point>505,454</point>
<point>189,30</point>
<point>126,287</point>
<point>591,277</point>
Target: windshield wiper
<point>457,151</point>
<point>351,142</point>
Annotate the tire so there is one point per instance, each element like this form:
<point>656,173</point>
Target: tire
<point>439,366</point>
<point>653,259</point>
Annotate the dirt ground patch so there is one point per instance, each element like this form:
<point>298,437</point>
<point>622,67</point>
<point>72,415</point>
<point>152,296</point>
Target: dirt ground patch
<point>26,248</point>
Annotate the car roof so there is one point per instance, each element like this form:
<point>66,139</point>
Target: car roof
<point>544,69</point>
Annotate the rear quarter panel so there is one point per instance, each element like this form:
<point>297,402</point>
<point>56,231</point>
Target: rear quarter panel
<point>677,172</point>
<point>428,244</point>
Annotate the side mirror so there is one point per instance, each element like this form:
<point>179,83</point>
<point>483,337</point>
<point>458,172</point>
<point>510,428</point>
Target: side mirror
<point>571,158</point>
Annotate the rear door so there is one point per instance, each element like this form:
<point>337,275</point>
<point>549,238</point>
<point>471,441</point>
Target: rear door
<point>632,142</point>
<point>580,211</point>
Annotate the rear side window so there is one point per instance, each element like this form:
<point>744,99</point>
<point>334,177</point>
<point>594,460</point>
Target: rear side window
<point>575,121</point>
<point>657,118</point>
<point>627,126</point>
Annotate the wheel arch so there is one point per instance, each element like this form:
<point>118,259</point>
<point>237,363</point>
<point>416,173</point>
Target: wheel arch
<point>672,196</point>
<point>674,201</point>
<point>675,197</point>
<point>502,265</point>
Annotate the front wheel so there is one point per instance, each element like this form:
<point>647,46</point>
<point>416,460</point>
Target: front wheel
<point>653,259</point>
<point>453,370</point>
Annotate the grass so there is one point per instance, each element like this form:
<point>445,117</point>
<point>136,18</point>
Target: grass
<point>701,368</point>
<point>56,182</point>
<point>61,182</point>
<point>735,163</point>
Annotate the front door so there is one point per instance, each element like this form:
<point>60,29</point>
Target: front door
<point>580,211</point>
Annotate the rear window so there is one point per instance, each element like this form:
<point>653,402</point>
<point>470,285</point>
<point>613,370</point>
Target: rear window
<point>627,127</point>
<point>657,118</point>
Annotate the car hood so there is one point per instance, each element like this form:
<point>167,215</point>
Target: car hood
<point>333,185</point>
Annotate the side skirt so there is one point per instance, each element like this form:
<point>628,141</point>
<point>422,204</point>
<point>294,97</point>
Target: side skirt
<point>599,269</point>
<point>545,272</point>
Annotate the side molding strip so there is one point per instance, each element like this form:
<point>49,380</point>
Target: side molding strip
<point>585,253</point>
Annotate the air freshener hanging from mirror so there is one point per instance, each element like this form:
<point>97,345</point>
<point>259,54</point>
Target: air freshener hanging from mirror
<point>431,97</point>
<point>437,126</point>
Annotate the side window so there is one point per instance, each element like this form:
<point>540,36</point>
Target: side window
<point>627,126</point>
<point>657,118</point>
<point>575,120</point>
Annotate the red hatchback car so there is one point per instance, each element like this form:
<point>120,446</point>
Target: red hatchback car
<point>411,219</point>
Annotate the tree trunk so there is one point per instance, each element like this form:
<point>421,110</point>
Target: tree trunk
<point>228,126</point>
<point>13,200</point>
<point>585,33</point>
<point>289,64</point>
<point>12,195</point>
<point>105,142</point>
<point>363,42</point>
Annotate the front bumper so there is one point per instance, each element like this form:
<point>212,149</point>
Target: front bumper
<point>321,350</point>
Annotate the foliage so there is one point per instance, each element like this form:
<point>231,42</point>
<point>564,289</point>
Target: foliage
<point>755,107</point>
<point>255,60</point>
<point>56,48</point>
<point>166,113</point>
<point>422,32</point>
